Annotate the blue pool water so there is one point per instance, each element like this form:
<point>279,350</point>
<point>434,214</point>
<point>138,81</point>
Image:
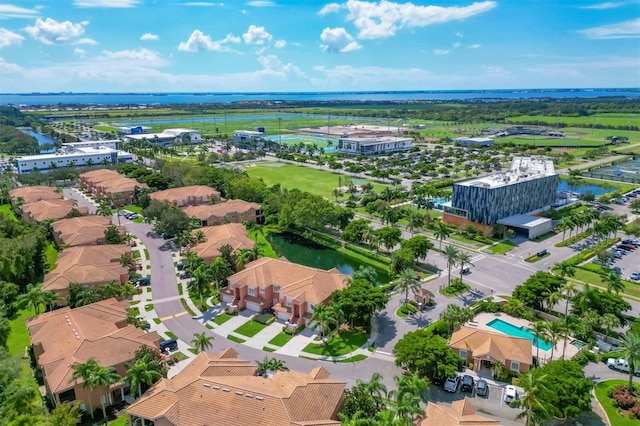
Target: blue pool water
<point>439,201</point>
<point>512,330</point>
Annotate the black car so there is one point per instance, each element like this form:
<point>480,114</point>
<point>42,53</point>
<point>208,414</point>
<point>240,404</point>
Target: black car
<point>482,388</point>
<point>467,383</point>
<point>143,281</point>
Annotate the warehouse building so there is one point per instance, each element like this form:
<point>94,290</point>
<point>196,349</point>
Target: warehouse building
<point>375,145</point>
<point>72,156</point>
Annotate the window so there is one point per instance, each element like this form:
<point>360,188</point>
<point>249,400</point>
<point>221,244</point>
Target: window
<point>311,307</point>
<point>275,301</point>
<point>463,354</point>
<point>252,291</point>
<point>515,366</point>
<point>276,288</point>
<point>288,301</point>
<point>261,290</point>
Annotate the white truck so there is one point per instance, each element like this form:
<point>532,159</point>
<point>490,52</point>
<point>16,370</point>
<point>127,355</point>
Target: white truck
<point>621,364</point>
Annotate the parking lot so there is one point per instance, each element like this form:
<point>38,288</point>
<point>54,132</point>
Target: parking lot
<point>492,405</point>
<point>628,261</point>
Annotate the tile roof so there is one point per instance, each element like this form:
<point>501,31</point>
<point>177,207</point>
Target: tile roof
<point>499,346</point>
<point>87,265</point>
<point>35,193</point>
<point>220,389</point>
<point>233,234</point>
<point>99,175</point>
<point>461,413</point>
<point>51,209</point>
<point>220,210</point>
<point>301,283</point>
<point>82,230</point>
<point>181,193</point>
<point>121,184</point>
<point>68,336</point>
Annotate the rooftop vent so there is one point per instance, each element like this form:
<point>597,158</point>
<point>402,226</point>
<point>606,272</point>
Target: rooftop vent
<point>225,389</point>
<point>238,393</point>
<point>259,398</point>
<point>206,385</point>
<point>216,387</point>
<point>249,395</point>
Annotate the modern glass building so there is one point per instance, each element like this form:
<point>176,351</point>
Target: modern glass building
<point>530,184</point>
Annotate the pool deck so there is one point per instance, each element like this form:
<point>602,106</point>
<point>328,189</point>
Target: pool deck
<point>484,318</point>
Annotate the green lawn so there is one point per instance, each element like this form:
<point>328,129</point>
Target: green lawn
<point>315,181</point>
<point>146,254</point>
<point>348,341</point>
<point>261,240</point>
<point>222,318</point>
<point>355,358</point>
<point>602,390</point>
<point>123,420</point>
<point>52,256</point>
<point>7,211</point>
<point>598,280</point>
<point>502,247</point>
<point>281,339</point>
<point>250,328</point>
<point>18,340</point>
<point>235,339</point>
<point>133,208</point>
<point>613,119</point>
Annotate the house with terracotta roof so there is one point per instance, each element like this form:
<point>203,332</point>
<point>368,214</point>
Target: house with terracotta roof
<point>54,209</point>
<point>64,337</point>
<point>483,348</point>
<point>29,194</point>
<point>194,195</point>
<point>221,390</point>
<point>231,211</point>
<point>460,413</point>
<point>291,290</point>
<point>88,266</point>
<point>93,177</point>
<point>120,190</point>
<point>82,231</point>
<point>232,234</point>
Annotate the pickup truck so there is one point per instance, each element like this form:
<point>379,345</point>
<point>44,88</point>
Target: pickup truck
<point>621,364</point>
<point>451,384</point>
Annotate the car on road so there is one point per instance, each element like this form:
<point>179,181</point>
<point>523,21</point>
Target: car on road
<point>465,271</point>
<point>635,276</point>
<point>482,388</point>
<point>467,383</point>
<point>452,384</point>
<point>510,394</point>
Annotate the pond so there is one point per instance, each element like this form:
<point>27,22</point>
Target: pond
<point>305,252</point>
<point>583,188</point>
<point>42,139</point>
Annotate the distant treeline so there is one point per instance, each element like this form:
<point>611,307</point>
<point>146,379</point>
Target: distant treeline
<point>13,141</point>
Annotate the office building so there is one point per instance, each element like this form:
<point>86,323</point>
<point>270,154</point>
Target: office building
<point>373,145</point>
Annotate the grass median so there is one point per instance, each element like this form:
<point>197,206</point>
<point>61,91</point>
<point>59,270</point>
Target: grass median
<point>346,342</point>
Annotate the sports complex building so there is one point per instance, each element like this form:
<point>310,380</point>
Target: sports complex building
<point>510,198</point>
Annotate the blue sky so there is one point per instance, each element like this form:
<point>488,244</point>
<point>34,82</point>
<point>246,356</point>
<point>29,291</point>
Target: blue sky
<point>309,45</point>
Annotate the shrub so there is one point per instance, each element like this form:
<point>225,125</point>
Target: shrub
<point>263,318</point>
<point>580,358</point>
<point>408,309</point>
<point>367,253</point>
<point>634,412</point>
<point>623,398</point>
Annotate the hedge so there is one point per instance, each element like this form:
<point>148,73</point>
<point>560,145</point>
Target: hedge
<point>367,253</point>
<point>590,252</point>
<point>264,318</point>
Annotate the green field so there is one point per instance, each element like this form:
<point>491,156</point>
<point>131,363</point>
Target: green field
<point>315,181</point>
<point>605,119</point>
<point>7,211</point>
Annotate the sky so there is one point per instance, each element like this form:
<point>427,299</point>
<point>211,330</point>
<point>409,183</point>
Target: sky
<point>312,45</point>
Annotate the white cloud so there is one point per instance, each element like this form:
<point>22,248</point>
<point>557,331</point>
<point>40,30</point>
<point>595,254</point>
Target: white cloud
<point>280,44</point>
<point>273,65</point>
<point>256,35</point>
<point>605,5</point>
<point>329,8</point>
<point>244,11</point>
<point>51,31</point>
<point>9,38</point>
<point>626,29</point>
<point>198,42</point>
<point>106,3</point>
<point>493,70</point>
<point>474,46</point>
<point>338,40</point>
<point>149,36</point>
<point>384,19</point>
<point>90,41</point>
<point>7,68</point>
<point>79,52</point>
<point>203,3</point>
<point>441,51</point>
<point>456,44</point>
<point>147,56</point>
<point>261,3</point>
<point>10,11</point>
<point>459,34</point>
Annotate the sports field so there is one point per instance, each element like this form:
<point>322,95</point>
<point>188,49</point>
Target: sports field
<point>315,181</point>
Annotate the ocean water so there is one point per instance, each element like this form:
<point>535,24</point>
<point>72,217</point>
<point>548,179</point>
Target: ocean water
<point>198,98</point>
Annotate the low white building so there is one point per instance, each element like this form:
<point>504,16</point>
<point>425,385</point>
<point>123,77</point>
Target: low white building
<point>375,145</point>
<point>67,156</point>
<point>113,144</point>
<point>133,130</point>
<point>168,136</point>
<point>471,142</point>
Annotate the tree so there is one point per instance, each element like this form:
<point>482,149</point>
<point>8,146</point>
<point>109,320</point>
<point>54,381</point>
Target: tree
<point>400,260</point>
<point>201,342</point>
<point>66,414</point>
<point>452,255</point>
<point>142,372</point>
<point>630,350</point>
<point>389,236</point>
<point>463,260</point>
<point>569,323</point>
<point>533,291</point>
<point>322,318</point>
<point>355,230</point>
<point>112,235</point>
<point>534,403</point>
<point>455,316</point>
<point>85,371</point>
<point>200,282</point>
<point>34,296</point>
<point>104,207</point>
<point>103,378</point>
<point>614,282</point>
<point>220,271</point>
<point>376,389</point>
<point>422,353</point>
<point>407,280</point>
<point>540,329</point>
<point>609,321</point>
<point>569,391</point>
<point>634,206</point>
<point>414,220</point>
<point>360,300</point>
<point>564,269</point>
<point>441,231</point>
<point>419,246</point>
<point>358,403</point>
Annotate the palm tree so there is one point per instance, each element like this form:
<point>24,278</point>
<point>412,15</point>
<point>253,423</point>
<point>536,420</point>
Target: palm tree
<point>376,389</point>
<point>322,319</point>
<point>452,255</point>
<point>104,377</point>
<point>366,273</point>
<point>141,373</point>
<point>127,261</point>
<point>200,282</point>
<point>552,299</point>
<point>534,405</point>
<point>564,269</point>
<point>609,321</point>
<point>201,342</point>
<point>540,329</point>
<point>455,315</point>
<point>415,220</point>
<point>220,271</point>
<point>85,371</point>
<point>244,256</point>
<point>87,296</point>
<point>337,314</point>
<point>554,331</point>
<point>441,232</point>
<point>614,283</point>
<point>407,280</point>
<point>34,296</point>
<point>49,299</point>
<point>569,291</point>
<point>630,350</point>
<point>463,260</point>
<point>569,323</point>
<point>409,393</point>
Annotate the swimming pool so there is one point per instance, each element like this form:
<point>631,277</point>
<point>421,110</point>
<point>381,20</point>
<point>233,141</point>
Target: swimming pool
<point>512,330</point>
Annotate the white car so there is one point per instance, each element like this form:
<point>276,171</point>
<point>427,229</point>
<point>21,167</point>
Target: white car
<point>510,394</point>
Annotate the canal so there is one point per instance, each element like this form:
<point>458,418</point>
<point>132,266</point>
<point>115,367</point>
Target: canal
<point>43,140</point>
<point>305,252</point>
<point>583,188</point>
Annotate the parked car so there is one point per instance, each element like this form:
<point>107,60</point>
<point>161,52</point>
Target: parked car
<point>170,345</point>
<point>616,270</point>
<point>451,384</point>
<point>143,281</point>
<point>510,394</point>
<point>635,276</point>
<point>482,388</point>
<point>467,383</point>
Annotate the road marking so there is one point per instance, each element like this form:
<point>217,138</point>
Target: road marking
<point>180,314</point>
<point>166,318</point>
